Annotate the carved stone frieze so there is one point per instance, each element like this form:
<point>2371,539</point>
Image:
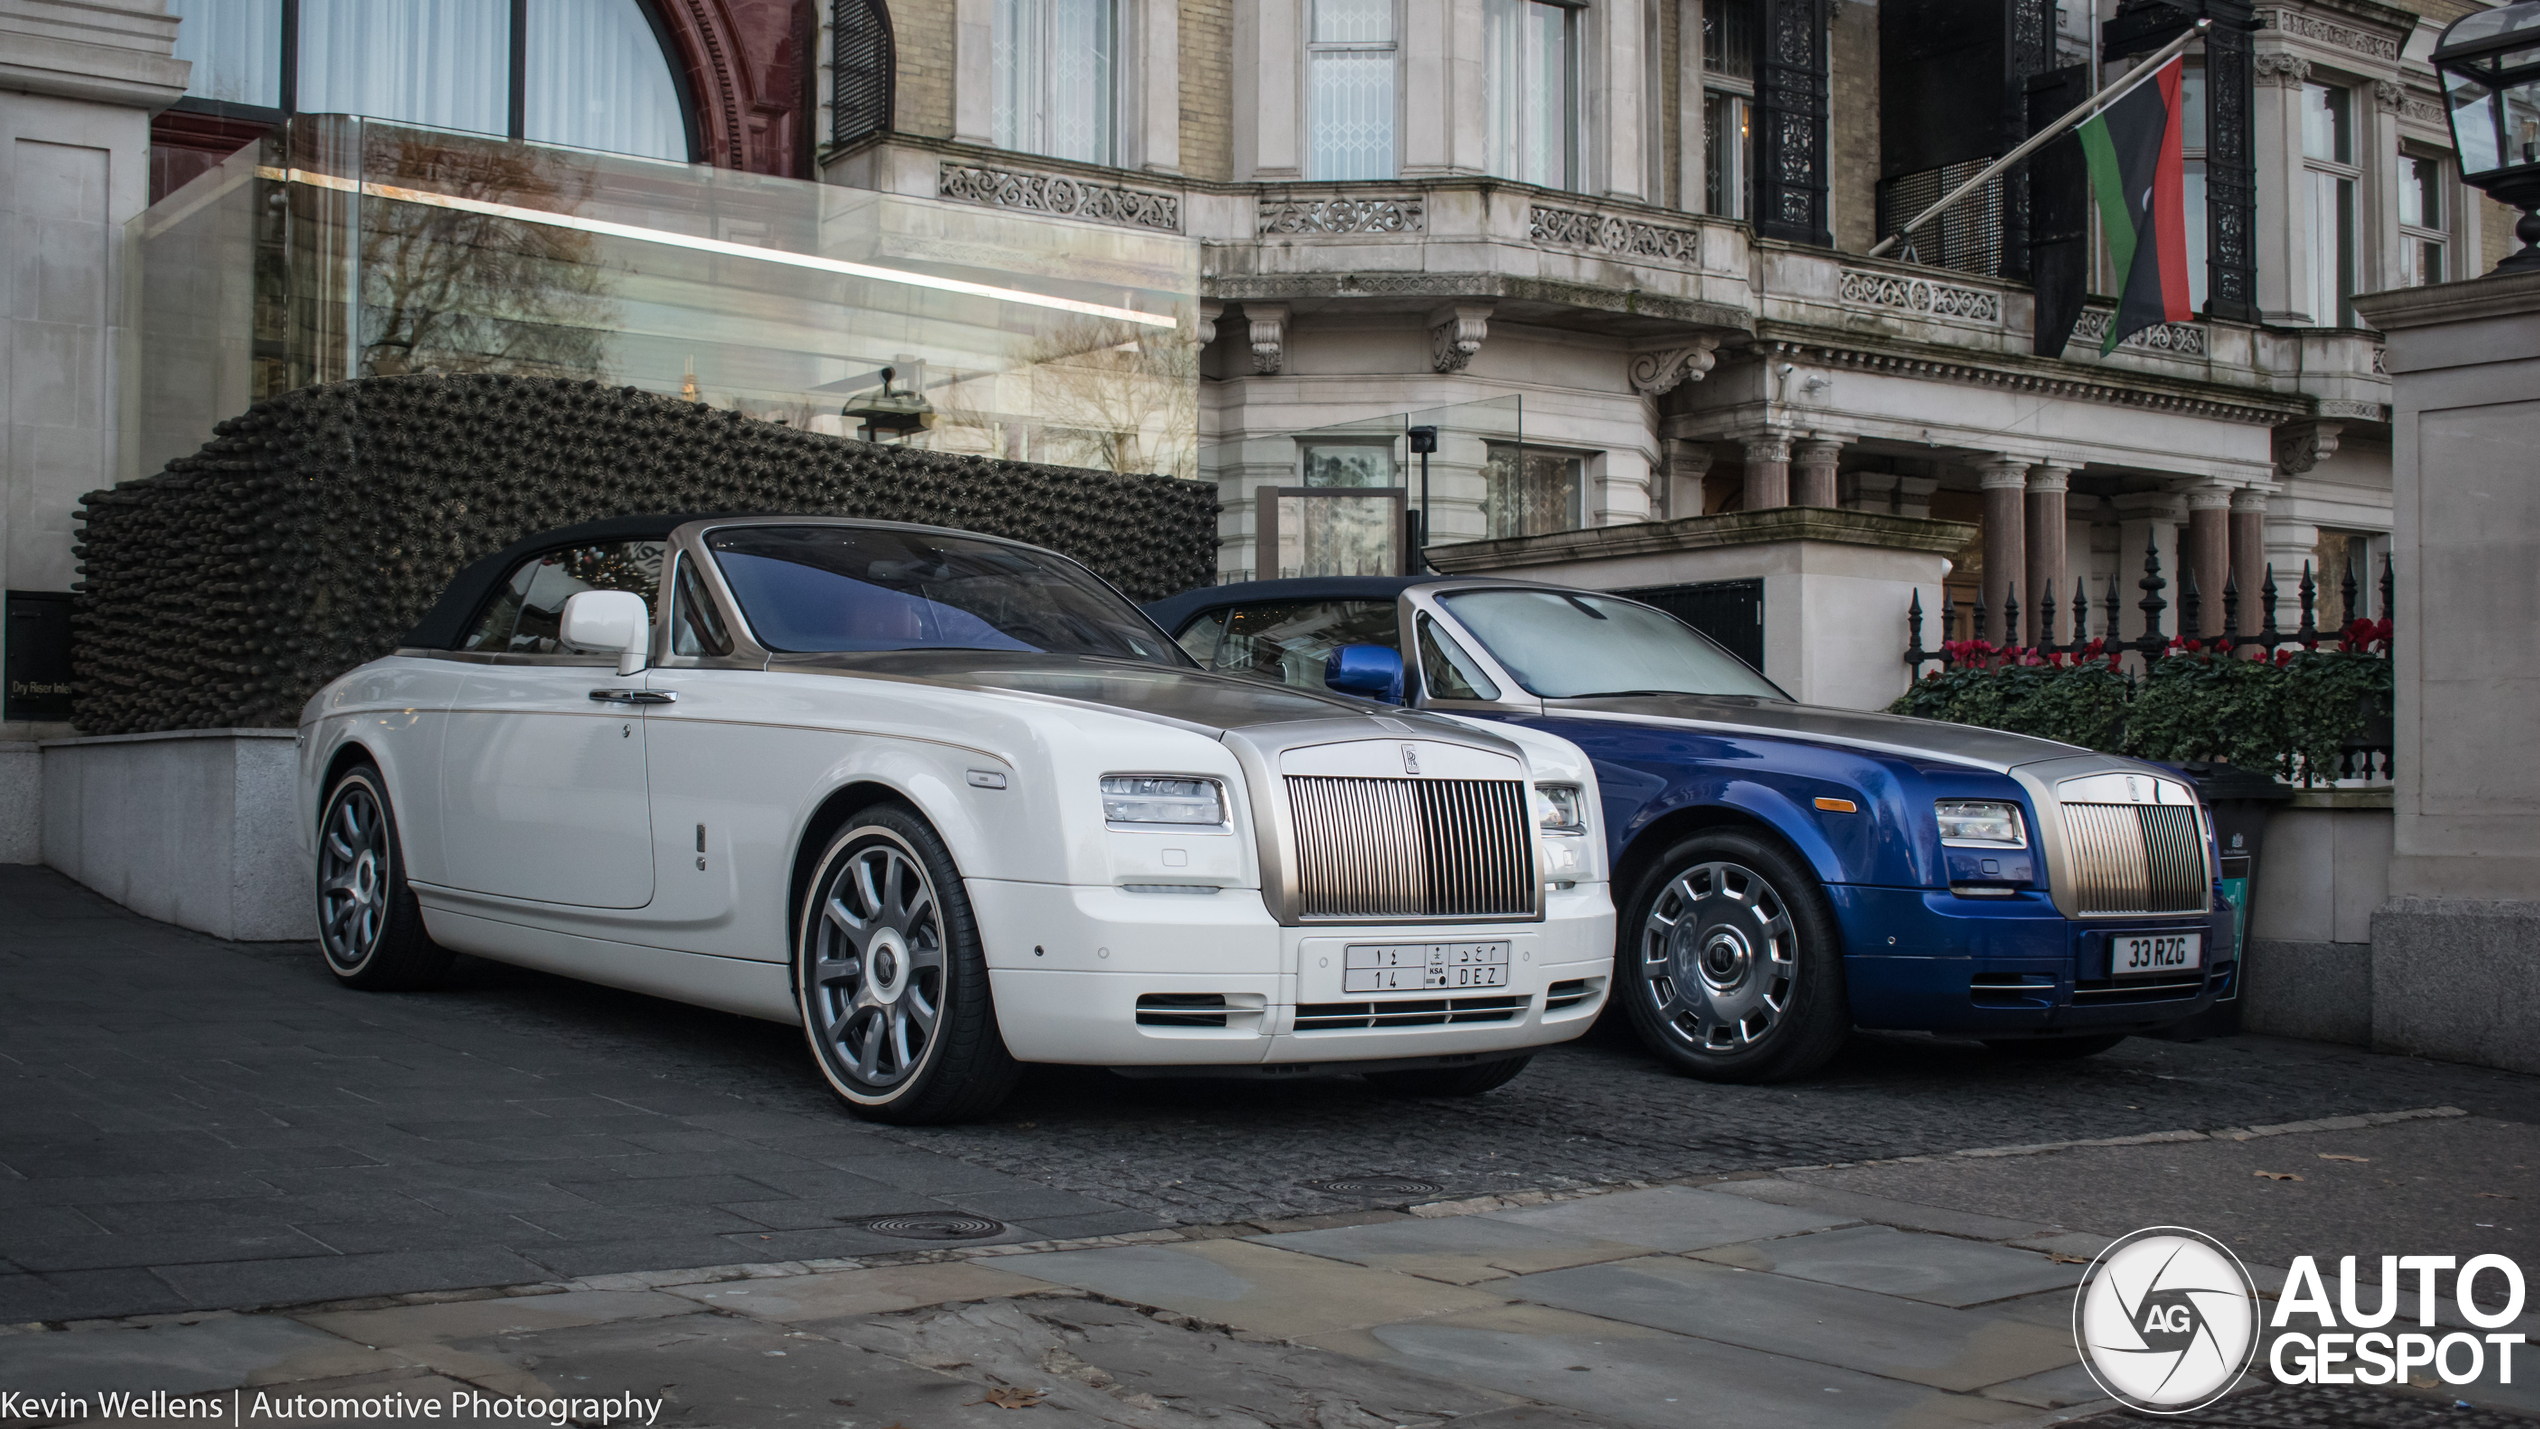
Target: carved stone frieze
<point>1920,296</point>
<point>1655,374</point>
<point>2277,70</point>
<point>2329,32</point>
<point>1456,333</point>
<point>2424,111</point>
<point>2389,94</point>
<point>1059,195</point>
<point>1341,213</point>
<point>1608,233</point>
<point>2352,410</point>
<point>2184,339</point>
<point>2261,412</point>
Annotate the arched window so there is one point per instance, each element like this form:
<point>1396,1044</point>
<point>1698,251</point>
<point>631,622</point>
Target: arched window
<point>594,74</point>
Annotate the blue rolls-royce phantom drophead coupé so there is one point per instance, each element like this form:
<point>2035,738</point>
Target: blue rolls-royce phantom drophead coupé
<point>1787,872</point>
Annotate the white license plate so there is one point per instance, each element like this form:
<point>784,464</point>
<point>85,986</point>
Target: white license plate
<point>1416,967</point>
<point>2152,955</point>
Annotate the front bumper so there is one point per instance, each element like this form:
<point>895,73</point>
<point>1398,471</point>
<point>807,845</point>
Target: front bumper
<point>1102,976</point>
<point>1927,960</point>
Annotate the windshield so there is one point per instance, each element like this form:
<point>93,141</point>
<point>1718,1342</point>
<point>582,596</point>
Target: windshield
<point>1562,646</point>
<point>832,588</point>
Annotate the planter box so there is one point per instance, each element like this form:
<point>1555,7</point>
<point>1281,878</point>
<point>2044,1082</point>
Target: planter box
<point>193,827</point>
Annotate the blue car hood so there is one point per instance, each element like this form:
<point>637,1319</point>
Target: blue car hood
<point>1858,729</point>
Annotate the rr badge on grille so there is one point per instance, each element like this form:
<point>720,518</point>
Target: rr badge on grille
<point>1410,760</point>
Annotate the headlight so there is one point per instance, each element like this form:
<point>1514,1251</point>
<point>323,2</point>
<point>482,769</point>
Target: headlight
<point>1561,808</point>
<point>1162,799</point>
<point>1975,823</point>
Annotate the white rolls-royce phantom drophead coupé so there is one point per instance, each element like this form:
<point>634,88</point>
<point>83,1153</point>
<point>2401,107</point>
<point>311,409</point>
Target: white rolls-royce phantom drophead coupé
<point>951,804</point>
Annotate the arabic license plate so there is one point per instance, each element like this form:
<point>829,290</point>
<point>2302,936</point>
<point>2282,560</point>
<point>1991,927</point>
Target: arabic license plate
<point>2154,954</point>
<point>1419,967</point>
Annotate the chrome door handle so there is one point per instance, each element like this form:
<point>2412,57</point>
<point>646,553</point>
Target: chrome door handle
<point>635,697</point>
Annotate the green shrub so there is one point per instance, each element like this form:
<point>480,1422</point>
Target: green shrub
<point>2289,717</point>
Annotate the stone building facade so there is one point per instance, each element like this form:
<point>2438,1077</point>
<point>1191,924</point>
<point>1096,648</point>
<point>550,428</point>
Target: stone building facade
<point>1654,239</point>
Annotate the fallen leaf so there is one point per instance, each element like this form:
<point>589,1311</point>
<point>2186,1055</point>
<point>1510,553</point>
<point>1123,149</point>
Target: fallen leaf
<point>2495,1195</point>
<point>2277,1175</point>
<point>2060,1258</point>
<point>2333,1156</point>
<point>1013,1398</point>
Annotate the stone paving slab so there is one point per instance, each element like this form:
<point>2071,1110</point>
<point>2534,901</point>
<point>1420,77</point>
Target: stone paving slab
<point>1827,1324</point>
<point>219,1352</point>
<point>1249,1286</point>
<point>1461,1250</point>
<point>1671,1218</point>
<point>1649,1377</point>
<point>1937,1269</point>
<point>842,1293</point>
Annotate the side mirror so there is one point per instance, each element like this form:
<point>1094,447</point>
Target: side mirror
<point>609,620</point>
<point>1371,671</point>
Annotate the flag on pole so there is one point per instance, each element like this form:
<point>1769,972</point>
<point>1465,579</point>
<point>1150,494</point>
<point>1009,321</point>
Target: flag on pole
<point>2136,151</point>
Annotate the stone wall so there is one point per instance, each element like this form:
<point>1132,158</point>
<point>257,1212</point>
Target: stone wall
<point>2323,867</point>
<point>316,527</point>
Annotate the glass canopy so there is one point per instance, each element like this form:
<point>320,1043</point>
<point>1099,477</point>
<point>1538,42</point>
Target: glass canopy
<point>343,247</point>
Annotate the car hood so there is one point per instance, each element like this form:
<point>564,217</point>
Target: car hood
<point>1192,698</point>
<point>1862,729</point>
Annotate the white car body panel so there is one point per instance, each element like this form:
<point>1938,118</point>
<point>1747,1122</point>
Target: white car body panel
<point>565,836</point>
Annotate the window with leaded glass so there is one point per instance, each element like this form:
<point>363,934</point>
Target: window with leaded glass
<point>1530,492</point>
<point>1349,90</point>
<point>1053,67</point>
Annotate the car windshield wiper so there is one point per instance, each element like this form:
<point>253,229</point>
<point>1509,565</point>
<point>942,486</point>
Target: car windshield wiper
<point>1617,694</point>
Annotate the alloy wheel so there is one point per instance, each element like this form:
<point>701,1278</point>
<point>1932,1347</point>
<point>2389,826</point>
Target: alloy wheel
<point>875,985</point>
<point>1719,957</point>
<point>353,877</point>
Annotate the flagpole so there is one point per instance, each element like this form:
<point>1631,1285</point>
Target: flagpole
<point>2080,112</point>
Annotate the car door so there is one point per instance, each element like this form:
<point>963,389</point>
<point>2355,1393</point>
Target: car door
<point>542,771</point>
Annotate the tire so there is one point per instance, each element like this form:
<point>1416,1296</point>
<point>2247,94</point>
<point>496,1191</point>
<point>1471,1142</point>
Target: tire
<point>1729,963</point>
<point>891,980</point>
<point>2055,1049</point>
<point>370,928</point>
<point>1469,1081</point>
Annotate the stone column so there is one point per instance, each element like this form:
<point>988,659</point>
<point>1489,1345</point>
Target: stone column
<point>2209,522</point>
<point>2290,545</point>
<point>2249,553</point>
<point>2005,482</point>
<point>2047,539</point>
<point>1683,464</point>
<point>1812,471</point>
<point>1767,471</point>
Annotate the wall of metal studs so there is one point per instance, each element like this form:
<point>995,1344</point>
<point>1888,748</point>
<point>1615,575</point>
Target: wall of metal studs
<point>318,526</point>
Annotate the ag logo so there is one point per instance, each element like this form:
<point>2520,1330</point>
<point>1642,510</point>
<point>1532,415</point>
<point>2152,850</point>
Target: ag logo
<point>2166,1320</point>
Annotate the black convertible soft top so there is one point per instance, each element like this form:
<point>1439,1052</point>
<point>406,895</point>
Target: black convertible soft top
<point>1174,610</point>
<point>448,621</point>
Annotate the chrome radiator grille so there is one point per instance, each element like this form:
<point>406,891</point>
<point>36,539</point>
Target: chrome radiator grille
<point>1411,848</point>
<point>2136,858</point>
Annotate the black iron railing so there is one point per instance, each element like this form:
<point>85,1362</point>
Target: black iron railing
<point>2366,756</point>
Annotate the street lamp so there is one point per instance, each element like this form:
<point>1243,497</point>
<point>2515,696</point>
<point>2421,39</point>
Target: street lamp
<point>2490,62</point>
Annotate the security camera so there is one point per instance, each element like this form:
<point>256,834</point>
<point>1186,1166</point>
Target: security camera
<point>1784,370</point>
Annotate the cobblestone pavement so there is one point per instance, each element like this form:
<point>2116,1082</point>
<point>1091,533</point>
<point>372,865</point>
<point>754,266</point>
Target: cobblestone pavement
<point>188,1123</point>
